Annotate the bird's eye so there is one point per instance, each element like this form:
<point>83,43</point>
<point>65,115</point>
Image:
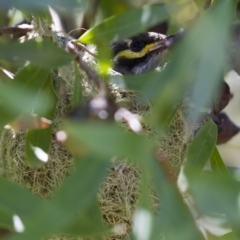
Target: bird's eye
<point>137,46</point>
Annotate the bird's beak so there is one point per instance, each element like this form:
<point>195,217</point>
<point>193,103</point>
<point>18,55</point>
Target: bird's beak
<point>157,45</point>
<point>164,42</point>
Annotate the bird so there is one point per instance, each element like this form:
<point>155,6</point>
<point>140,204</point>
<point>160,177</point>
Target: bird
<point>140,53</point>
<point>135,55</point>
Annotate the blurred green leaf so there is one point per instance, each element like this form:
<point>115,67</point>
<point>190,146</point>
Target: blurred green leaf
<point>196,158</point>
<point>22,93</point>
<point>193,66</point>
<point>37,146</point>
<point>141,82</point>
<point>217,194</point>
<point>6,217</point>
<point>217,164</point>
<point>199,56</point>
<point>90,222</point>
<point>228,236</point>
<point>87,175</point>
<point>49,101</point>
<point>31,77</point>
<point>110,8</point>
<point>23,205</point>
<point>43,53</point>
<point>200,4</point>
<point>37,6</point>
<point>209,71</point>
<point>38,141</point>
<point>175,217</point>
<point>145,191</point>
<point>107,139</point>
<point>77,194</point>
<point>125,24</point>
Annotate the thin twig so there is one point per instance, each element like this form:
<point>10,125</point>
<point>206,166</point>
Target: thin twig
<point>91,74</point>
<point>16,30</point>
<point>84,48</point>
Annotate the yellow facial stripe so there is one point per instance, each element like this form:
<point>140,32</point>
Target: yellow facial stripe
<point>132,55</point>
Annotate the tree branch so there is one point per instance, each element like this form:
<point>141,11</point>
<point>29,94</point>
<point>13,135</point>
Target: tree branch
<point>21,29</point>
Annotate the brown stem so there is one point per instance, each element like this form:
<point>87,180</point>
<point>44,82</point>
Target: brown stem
<point>91,74</point>
<point>16,30</point>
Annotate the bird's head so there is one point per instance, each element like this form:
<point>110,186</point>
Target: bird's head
<point>138,54</point>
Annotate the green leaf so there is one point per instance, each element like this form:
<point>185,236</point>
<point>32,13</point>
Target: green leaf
<point>107,139</point>
<point>193,67</point>
<point>91,223</point>
<point>228,236</point>
<point>22,93</point>
<point>175,217</point>
<point>125,24</point>
<point>43,53</point>
<point>38,141</point>
<point>217,194</point>
<point>209,70</point>
<point>110,8</point>
<point>49,101</point>
<point>36,6</point>
<point>217,163</point>
<point>17,200</point>
<point>31,77</point>
<point>200,4</point>
<point>6,217</point>
<point>78,193</point>
<point>37,146</point>
<point>200,149</point>
<point>141,82</point>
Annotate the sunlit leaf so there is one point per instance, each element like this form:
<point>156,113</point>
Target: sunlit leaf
<point>200,4</point>
<point>110,8</point>
<point>43,53</point>
<point>228,236</point>
<point>119,26</point>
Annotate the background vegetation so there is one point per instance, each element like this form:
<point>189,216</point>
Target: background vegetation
<point>206,204</point>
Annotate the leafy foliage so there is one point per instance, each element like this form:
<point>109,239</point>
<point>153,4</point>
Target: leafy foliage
<point>195,67</point>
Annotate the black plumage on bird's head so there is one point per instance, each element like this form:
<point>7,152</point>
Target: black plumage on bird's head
<point>138,54</point>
